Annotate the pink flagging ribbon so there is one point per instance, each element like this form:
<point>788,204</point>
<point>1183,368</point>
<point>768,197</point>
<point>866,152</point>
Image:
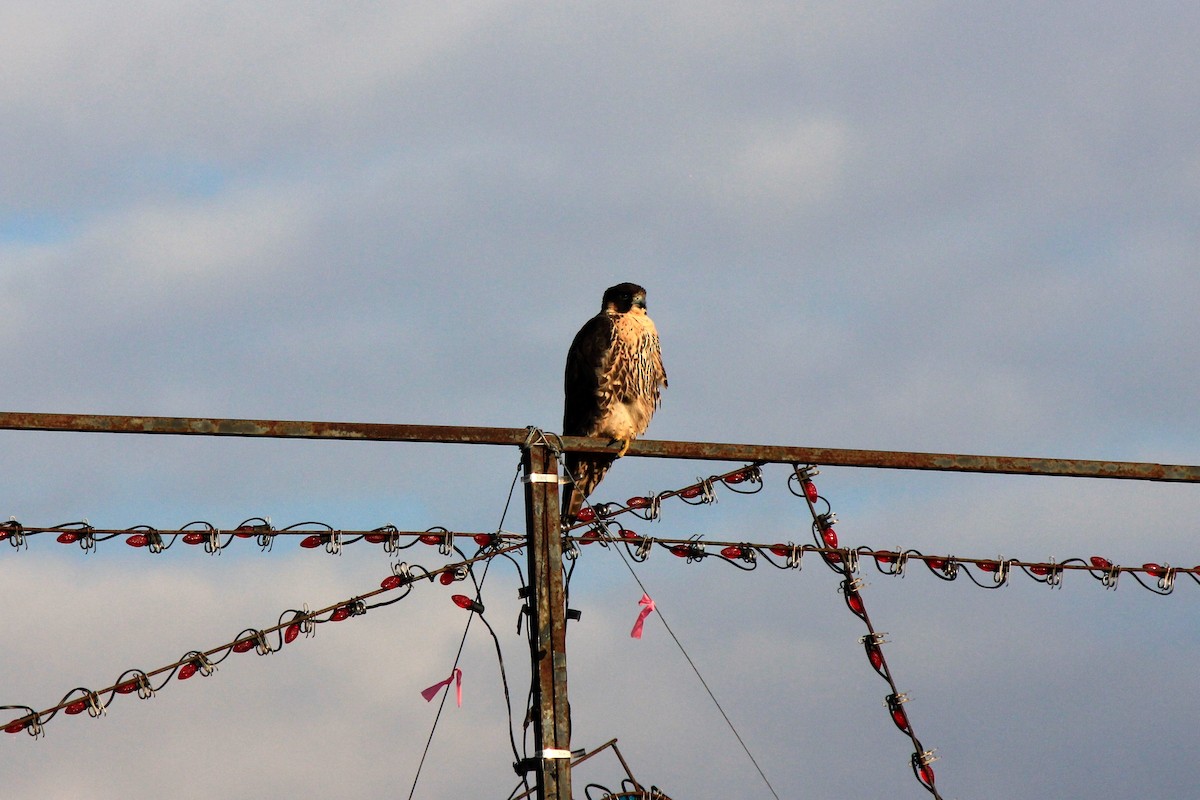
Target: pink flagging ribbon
<point>647,606</point>
<point>432,691</point>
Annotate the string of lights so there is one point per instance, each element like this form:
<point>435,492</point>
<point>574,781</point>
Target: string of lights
<point>845,564</point>
<point>648,507</point>
<point>264,641</point>
<point>603,527</point>
<point>312,536</point>
<point>994,572</point>
<point>596,523</point>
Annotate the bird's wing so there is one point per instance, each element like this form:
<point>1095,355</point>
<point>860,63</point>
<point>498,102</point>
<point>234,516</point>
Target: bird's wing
<point>587,366</point>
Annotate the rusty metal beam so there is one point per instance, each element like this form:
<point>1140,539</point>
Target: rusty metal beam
<point>265,428</point>
<point>648,448</point>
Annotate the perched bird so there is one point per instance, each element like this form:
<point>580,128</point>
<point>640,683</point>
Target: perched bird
<point>613,379</point>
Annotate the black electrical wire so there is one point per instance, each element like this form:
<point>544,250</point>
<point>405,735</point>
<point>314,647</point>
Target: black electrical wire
<point>462,643</point>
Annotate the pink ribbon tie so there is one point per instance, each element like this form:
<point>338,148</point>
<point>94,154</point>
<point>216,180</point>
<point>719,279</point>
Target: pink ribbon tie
<point>647,606</point>
<point>455,677</point>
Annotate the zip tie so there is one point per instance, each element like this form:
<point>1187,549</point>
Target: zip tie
<point>543,477</point>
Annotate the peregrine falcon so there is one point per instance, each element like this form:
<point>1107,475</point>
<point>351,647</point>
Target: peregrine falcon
<point>613,379</point>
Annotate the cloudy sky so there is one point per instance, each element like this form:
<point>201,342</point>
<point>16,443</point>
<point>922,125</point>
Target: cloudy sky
<point>920,226</point>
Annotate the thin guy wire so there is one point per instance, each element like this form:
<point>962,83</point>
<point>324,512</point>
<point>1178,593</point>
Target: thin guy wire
<point>695,669</point>
<point>462,643</point>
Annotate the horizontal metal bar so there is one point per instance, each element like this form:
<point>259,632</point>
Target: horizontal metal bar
<point>650,448</point>
<point>940,462</point>
<point>267,428</point>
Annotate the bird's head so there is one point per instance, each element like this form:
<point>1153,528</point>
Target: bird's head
<point>623,298</point>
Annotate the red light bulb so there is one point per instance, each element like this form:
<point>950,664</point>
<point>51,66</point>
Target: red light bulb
<point>137,540</point>
<point>1039,569</point>
<point>291,633</point>
<point>735,478</point>
<point>245,531</point>
<point>187,670</point>
<point>195,537</point>
<point>681,550</point>
<point>484,539</point>
<point>628,534</point>
<point>810,490</point>
<point>340,614</point>
<point>244,645</point>
<point>875,656</point>
<point>390,582</point>
<point>900,718</point>
<point>989,566</point>
<point>586,514</point>
<point>15,726</point>
<point>589,537</point>
<point>128,687</point>
<point>1154,569</point>
<point>733,551</point>
<point>431,538</point>
<point>691,492</point>
<point>315,540</point>
<point>1099,562</point>
<point>781,550</point>
<point>925,774</point>
<point>464,602</point>
<point>446,578</point>
<point>936,563</point>
<point>829,537</point>
<point>78,707</point>
<point>68,538</point>
<point>638,502</point>
<point>854,601</point>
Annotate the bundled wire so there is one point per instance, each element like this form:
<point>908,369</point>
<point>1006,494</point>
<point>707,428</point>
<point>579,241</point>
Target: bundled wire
<point>264,641</point>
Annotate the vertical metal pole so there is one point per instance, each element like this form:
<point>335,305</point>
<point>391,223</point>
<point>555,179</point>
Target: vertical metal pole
<point>548,639</point>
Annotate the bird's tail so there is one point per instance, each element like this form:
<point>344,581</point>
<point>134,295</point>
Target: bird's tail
<point>587,470</point>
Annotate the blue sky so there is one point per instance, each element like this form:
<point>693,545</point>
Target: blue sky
<point>933,226</point>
